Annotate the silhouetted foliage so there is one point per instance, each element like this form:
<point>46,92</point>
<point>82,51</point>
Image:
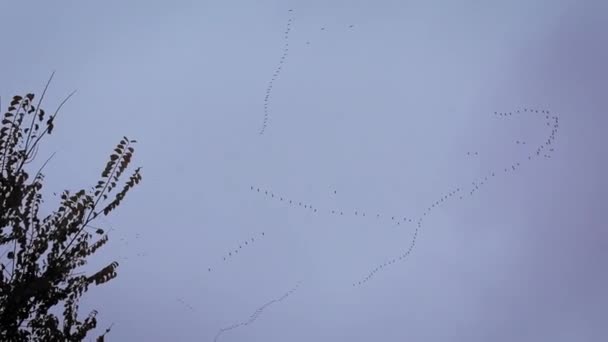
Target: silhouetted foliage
<point>40,256</point>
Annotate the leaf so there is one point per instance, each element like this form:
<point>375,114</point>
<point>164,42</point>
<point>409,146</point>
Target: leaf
<point>99,231</point>
<point>106,274</point>
<point>10,255</point>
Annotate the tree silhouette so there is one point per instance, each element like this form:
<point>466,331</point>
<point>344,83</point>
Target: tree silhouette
<point>40,256</point>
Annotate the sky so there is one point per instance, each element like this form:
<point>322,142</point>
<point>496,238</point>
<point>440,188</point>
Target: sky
<point>397,110</point>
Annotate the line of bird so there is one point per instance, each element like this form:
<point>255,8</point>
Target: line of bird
<point>278,69</point>
<point>186,304</point>
<point>395,220</point>
<point>233,253</point>
<point>435,205</point>
<point>522,111</point>
<point>276,74</point>
<point>475,187</point>
<point>256,314</point>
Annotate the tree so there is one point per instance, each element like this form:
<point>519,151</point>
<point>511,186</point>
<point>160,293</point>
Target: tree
<point>40,256</point>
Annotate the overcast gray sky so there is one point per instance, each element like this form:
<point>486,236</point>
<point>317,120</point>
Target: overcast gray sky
<point>376,107</point>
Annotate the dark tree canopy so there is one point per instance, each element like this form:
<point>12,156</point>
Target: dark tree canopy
<point>41,256</point>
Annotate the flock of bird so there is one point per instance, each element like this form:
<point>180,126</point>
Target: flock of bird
<point>276,74</point>
<point>544,150</point>
<point>256,313</point>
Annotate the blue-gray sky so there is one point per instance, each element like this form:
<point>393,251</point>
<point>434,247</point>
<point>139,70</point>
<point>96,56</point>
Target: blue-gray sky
<point>375,118</point>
